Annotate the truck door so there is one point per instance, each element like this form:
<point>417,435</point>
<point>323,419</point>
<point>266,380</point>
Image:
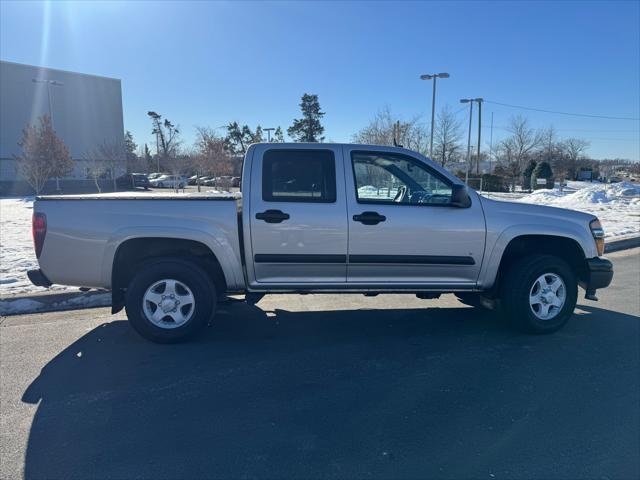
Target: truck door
<point>402,230</point>
<point>298,215</point>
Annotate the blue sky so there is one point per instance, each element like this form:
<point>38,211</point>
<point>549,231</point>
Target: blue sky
<point>208,63</point>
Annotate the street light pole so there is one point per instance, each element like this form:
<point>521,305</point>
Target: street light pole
<point>269,130</point>
<point>466,173</point>
<point>479,100</point>
<point>433,77</point>
<point>48,83</point>
<point>491,143</point>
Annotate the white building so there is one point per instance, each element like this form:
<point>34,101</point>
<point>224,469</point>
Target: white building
<point>86,111</point>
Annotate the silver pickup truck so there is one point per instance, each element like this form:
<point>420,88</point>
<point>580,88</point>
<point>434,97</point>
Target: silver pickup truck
<point>321,218</point>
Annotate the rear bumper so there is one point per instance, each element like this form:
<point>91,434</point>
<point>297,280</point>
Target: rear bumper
<point>38,278</point>
<point>598,275</point>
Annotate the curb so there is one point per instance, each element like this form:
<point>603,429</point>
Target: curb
<point>53,302</point>
<point>624,244</point>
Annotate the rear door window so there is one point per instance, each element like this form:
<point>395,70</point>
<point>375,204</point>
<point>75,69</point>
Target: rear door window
<point>299,176</point>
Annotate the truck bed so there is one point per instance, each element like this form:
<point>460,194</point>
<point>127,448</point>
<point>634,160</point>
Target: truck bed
<point>84,232</point>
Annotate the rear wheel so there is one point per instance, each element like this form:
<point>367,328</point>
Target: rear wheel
<point>539,293</point>
<point>170,300</point>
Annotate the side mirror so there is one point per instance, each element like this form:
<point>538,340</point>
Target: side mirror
<point>460,196</point>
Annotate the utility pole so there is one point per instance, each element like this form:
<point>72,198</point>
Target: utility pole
<point>433,77</point>
<point>48,83</point>
<point>466,173</point>
<point>479,100</point>
<point>491,143</point>
<point>269,130</point>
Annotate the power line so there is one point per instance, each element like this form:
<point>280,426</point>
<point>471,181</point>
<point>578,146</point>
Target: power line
<point>589,138</point>
<point>563,113</point>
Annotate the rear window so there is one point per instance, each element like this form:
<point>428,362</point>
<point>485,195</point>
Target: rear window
<point>299,176</point>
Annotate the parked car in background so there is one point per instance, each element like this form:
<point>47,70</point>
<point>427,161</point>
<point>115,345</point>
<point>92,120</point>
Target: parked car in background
<point>169,181</point>
<point>225,181</point>
<point>321,218</point>
<point>154,175</point>
<point>210,182</point>
<point>132,181</point>
<point>193,180</point>
<point>235,182</point>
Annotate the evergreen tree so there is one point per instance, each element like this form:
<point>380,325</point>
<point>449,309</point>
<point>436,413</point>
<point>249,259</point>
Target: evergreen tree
<point>239,138</point>
<point>278,136</point>
<point>542,170</point>
<point>308,128</point>
<point>257,136</point>
<point>130,148</point>
<point>526,174</point>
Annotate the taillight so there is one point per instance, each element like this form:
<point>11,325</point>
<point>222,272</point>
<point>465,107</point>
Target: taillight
<point>39,230</point>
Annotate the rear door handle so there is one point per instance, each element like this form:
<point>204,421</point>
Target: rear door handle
<point>369,218</point>
<point>272,216</point>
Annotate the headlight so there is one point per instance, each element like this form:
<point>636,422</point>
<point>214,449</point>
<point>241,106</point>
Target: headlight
<point>598,234</point>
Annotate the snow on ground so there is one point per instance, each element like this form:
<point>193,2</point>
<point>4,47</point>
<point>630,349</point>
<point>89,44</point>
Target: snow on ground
<point>617,205</point>
<point>16,246</point>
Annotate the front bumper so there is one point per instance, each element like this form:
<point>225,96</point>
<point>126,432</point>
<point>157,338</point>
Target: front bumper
<point>598,275</point>
<point>38,278</point>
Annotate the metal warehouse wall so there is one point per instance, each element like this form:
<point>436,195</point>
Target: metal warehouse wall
<point>87,110</point>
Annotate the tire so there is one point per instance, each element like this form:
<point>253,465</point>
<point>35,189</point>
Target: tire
<point>529,288</point>
<point>191,288</point>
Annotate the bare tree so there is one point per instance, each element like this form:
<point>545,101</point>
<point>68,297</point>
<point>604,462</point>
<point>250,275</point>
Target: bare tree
<point>574,149</point>
<point>380,131</point>
<point>95,168</point>
<point>213,153</point>
<point>114,158</point>
<point>447,135</point>
<point>44,154</point>
<point>515,150</point>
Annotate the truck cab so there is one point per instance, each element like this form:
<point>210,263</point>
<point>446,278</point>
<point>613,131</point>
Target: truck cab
<point>349,217</point>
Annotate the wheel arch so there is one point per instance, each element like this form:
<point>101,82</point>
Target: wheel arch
<point>122,259</point>
<point>509,248</point>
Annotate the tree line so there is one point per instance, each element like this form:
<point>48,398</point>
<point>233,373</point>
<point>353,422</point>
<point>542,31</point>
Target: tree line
<point>44,155</point>
<point>520,158</point>
<point>514,158</point>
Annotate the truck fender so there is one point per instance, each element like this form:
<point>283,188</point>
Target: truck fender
<point>489,270</point>
<point>223,251</point>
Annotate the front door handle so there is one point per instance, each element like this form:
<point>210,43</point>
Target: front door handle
<point>272,216</point>
<point>369,218</point>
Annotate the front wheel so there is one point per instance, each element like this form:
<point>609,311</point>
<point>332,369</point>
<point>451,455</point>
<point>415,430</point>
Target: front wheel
<point>539,293</point>
<point>170,300</point>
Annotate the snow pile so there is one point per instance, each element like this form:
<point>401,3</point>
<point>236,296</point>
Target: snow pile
<point>577,195</point>
<point>617,205</point>
<point>369,191</point>
<point>12,306</point>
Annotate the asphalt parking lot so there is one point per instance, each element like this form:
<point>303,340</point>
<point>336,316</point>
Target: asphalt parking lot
<point>328,386</point>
